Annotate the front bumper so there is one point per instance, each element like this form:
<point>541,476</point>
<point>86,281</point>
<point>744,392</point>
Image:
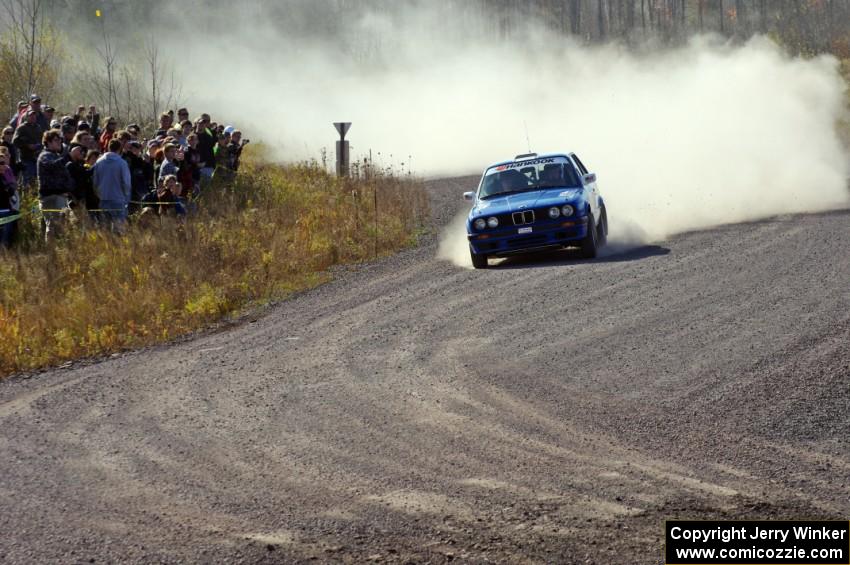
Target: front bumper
<point>508,240</point>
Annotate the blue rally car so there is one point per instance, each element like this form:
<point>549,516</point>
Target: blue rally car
<point>535,202</point>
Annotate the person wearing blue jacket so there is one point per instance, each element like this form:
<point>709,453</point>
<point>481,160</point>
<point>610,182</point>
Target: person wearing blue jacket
<point>112,184</point>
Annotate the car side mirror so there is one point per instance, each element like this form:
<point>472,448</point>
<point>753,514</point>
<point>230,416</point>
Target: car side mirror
<point>469,196</point>
<point>589,178</point>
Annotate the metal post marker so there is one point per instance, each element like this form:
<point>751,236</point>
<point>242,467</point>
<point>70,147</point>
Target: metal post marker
<point>342,149</point>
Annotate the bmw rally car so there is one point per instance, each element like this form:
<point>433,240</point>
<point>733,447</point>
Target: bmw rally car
<point>535,202</point>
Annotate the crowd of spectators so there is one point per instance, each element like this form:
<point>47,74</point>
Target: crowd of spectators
<point>86,167</point>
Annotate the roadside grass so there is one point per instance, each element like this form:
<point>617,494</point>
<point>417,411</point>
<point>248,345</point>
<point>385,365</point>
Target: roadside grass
<point>274,231</point>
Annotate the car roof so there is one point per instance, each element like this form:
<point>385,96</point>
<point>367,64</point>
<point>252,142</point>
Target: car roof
<point>528,157</point>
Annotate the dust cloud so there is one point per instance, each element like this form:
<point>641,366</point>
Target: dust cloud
<point>453,243</point>
<point>680,138</point>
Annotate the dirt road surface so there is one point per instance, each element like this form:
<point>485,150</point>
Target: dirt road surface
<point>548,410</point>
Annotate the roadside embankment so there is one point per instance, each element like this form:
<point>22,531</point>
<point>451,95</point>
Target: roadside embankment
<point>273,231</point>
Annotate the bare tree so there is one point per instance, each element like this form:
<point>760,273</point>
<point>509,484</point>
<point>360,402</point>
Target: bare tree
<point>600,19</point>
<point>700,13</point>
<point>741,18</point>
<point>151,53</point>
<point>30,45</point>
<point>722,17</point>
<point>163,84</point>
<point>131,89</point>
<point>575,16</point>
<point>108,54</point>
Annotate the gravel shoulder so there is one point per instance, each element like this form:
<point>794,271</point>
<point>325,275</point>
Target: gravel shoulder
<point>548,410</point>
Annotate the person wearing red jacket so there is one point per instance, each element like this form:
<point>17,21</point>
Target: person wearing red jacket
<point>108,133</point>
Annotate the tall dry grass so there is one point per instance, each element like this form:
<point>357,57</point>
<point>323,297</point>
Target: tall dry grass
<point>274,230</point>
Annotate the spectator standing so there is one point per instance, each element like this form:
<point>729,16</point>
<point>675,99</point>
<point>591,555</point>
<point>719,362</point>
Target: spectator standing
<point>81,175</point>
<point>164,124</point>
<point>9,203</point>
<point>206,146</point>
<point>43,120</point>
<point>185,131</point>
<point>20,113</point>
<point>82,138</point>
<point>55,184</point>
<point>134,130</point>
<point>190,174</point>
<point>124,137</point>
<point>91,141</point>
<point>220,148</point>
<point>141,172</point>
<point>27,139</point>
<point>6,142</point>
<point>69,130</point>
<point>222,159</point>
<point>112,184</point>
<point>153,146</point>
<point>169,164</point>
<point>49,113</point>
<point>93,120</point>
<point>158,158</point>
<point>235,149</point>
<point>108,134</point>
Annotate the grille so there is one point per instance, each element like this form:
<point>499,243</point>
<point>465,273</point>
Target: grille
<point>522,218</point>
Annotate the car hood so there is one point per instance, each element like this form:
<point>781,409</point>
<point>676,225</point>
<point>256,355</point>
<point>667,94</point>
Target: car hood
<point>526,201</point>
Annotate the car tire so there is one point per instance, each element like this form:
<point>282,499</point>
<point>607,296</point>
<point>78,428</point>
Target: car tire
<point>602,230</point>
<point>590,243</point>
<point>479,260</point>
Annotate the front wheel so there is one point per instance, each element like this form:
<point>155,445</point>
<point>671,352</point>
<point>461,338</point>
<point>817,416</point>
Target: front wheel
<point>590,243</point>
<point>602,231</point>
<point>479,260</point>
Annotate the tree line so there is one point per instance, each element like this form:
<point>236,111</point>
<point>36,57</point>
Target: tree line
<point>117,60</point>
<point>804,26</point>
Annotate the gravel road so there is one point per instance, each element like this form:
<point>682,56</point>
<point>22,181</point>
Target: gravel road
<point>548,410</point>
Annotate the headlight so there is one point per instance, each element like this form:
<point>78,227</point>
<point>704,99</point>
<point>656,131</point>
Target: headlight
<point>554,212</point>
<point>567,210</point>
<point>480,224</point>
<point>493,222</point>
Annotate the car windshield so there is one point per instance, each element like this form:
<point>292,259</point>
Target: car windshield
<point>524,176</point>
